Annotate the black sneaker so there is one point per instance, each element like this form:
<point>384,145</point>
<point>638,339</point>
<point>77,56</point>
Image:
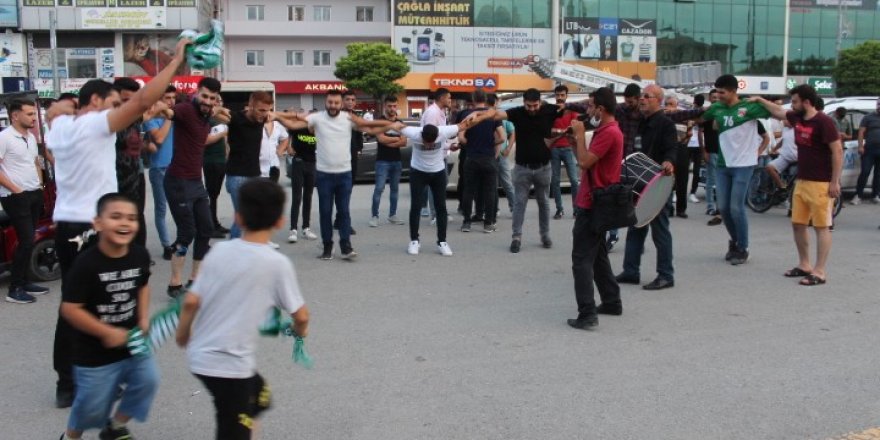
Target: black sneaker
<point>328,252</point>
<point>611,242</point>
<point>353,232</point>
<point>108,433</point>
<point>740,256</point>
<point>490,228</point>
<point>35,289</point>
<point>515,245</point>
<point>546,242</point>
<point>615,309</point>
<point>167,252</point>
<point>731,249</point>
<point>19,296</point>
<point>559,214</point>
<point>349,254</point>
<point>63,398</point>
<point>175,292</point>
<point>219,227</point>
<point>584,322</point>
<point>466,227</point>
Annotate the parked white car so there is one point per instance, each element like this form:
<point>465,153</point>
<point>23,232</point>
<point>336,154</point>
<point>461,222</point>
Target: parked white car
<point>856,109</point>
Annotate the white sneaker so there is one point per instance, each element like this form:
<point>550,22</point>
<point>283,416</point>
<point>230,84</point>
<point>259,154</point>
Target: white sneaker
<point>674,198</point>
<point>413,248</point>
<point>855,200</point>
<point>292,238</point>
<point>308,234</point>
<point>693,198</point>
<point>876,199</point>
<point>433,221</point>
<point>374,222</point>
<point>274,245</point>
<point>394,220</point>
<point>444,249</point>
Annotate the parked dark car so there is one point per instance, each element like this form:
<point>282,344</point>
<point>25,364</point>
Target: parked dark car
<point>367,159</point>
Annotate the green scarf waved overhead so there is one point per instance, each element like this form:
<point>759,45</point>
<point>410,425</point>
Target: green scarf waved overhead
<point>206,52</point>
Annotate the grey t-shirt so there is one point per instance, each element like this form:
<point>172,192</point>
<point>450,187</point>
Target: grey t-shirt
<point>871,124</point>
<point>238,283</point>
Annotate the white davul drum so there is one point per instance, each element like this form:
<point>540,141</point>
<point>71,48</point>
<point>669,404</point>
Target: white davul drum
<point>651,189</point>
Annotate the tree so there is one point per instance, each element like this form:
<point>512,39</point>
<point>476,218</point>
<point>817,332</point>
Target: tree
<point>372,68</point>
<point>858,71</point>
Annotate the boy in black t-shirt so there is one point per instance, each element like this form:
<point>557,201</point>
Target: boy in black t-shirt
<point>105,295</point>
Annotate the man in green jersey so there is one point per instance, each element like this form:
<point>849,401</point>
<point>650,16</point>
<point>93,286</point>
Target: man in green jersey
<point>739,141</point>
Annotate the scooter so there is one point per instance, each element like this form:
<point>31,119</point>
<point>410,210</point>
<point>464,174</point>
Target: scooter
<point>44,264</point>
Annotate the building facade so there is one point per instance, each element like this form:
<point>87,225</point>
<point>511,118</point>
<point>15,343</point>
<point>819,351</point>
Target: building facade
<point>105,38</point>
<point>295,43</point>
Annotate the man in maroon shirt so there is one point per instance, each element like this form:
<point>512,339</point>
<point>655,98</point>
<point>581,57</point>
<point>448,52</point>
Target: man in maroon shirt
<point>561,154</point>
<point>601,164</point>
<point>187,197</point>
<point>820,162</point>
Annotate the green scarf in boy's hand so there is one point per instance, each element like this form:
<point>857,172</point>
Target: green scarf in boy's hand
<point>206,52</point>
<point>275,325</point>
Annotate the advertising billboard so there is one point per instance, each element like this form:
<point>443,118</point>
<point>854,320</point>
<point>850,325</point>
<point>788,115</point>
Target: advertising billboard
<point>8,14</point>
<point>147,54</point>
<point>624,46</point>
<point>472,36</point>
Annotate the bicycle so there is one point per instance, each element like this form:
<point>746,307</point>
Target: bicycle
<point>763,193</point>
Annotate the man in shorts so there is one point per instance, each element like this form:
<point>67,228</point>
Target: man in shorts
<point>820,161</point>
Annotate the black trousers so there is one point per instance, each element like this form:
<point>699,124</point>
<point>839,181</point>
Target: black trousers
<point>214,175</point>
<point>237,403</point>
<point>481,183</point>
<point>302,182</point>
<point>589,264</point>
<point>191,211</point>
<point>141,200</point>
<point>67,252</point>
<point>24,210</point>
<point>418,181</point>
<point>683,160</point>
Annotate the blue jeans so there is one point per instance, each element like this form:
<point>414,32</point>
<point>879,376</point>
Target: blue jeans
<point>334,188</point>
<point>711,170</point>
<point>233,184</point>
<point>504,179</point>
<point>733,186</point>
<point>160,204</point>
<point>96,389</point>
<point>390,172</point>
<point>662,237</point>
<point>558,157</point>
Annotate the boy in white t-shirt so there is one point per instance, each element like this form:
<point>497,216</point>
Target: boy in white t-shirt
<point>226,304</point>
<point>788,155</point>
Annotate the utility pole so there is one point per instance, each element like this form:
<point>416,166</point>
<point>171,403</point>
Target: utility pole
<point>53,44</point>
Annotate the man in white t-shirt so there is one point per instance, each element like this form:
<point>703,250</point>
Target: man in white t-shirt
<point>428,173</point>
<point>21,194</point>
<point>332,129</point>
<point>275,140</point>
<point>83,144</point>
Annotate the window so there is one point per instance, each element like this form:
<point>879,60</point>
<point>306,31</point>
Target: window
<point>296,13</point>
<point>255,12</point>
<point>322,13</point>
<point>294,58</point>
<point>364,13</point>
<point>253,57</point>
<point>322,57</point>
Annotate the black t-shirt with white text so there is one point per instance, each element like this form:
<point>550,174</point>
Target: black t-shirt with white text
<point>108,288</point>
<point>304,144</point>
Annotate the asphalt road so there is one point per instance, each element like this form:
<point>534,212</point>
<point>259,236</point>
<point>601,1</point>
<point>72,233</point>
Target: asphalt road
<point>476,346</point>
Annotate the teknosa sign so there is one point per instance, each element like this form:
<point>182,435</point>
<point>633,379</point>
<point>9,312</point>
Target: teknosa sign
<point>464,82</point>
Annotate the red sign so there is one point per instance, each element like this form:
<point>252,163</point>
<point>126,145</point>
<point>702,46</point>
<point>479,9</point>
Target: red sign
<point>307,87</point>
<point>187,85</point>
<point>465,82</point>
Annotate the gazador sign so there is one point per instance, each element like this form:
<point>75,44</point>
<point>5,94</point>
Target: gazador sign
<point>463,82</point>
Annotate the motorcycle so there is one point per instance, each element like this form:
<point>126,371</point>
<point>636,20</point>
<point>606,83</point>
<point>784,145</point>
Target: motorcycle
<point>43,264</point>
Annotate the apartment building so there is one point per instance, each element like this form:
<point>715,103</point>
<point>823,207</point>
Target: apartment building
<point>295,43</point>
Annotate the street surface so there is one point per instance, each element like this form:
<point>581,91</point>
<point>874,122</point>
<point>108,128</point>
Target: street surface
<point>476,346</point>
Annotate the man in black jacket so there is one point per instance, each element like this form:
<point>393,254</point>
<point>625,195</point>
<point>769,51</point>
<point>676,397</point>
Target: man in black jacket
<point>659,139</point>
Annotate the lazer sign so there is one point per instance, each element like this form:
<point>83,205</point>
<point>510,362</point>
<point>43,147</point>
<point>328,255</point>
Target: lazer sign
<point>465,82</point>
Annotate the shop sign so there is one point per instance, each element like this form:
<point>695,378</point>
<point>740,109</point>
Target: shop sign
<point>115,18</point>
<point>461,82</point>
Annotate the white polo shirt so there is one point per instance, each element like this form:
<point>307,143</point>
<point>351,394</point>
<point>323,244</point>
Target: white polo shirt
<point>18,154</point>
<point>85,164</point>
